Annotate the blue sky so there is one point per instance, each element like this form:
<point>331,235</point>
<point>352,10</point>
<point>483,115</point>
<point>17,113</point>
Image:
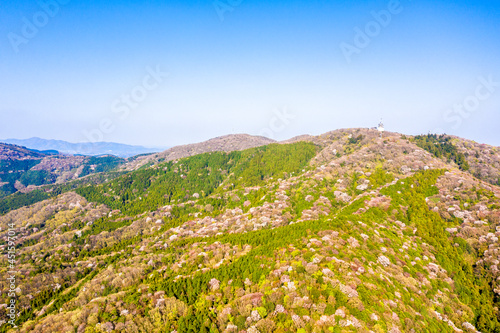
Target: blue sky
<point>259,67</point>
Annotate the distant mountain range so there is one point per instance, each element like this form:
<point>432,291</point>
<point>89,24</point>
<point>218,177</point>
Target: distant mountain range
<point>86,148</point>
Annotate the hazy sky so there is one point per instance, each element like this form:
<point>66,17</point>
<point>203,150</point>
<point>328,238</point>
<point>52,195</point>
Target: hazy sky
<point>95,70</point>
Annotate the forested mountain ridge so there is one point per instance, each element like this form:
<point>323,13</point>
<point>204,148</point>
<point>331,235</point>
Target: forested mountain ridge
<point>225,143</point>
<point>24,170</point>
<point>82,148</point>
<point>343,232</point>
<point>11,152</point>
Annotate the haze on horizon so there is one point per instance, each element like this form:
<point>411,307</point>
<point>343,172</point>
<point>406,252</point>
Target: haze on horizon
<point>157,74</point>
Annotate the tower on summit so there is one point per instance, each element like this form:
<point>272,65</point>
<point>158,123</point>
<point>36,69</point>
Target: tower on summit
<point>381,128</point>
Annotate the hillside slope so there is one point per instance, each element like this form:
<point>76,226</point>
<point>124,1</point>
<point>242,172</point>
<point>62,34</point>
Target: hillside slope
<point>344,232</point>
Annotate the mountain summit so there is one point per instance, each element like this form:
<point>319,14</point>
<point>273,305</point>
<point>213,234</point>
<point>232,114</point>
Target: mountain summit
<point>227,143</point>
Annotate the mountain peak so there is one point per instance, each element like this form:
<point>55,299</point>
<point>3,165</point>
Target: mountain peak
<point>225,143</point>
